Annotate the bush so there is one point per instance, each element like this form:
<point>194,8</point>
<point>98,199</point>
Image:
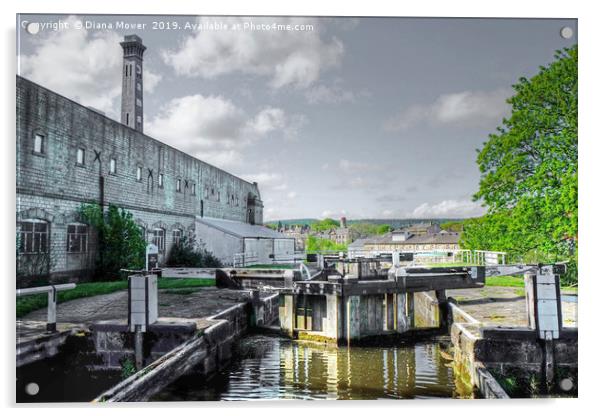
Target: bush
<point>190,254</point>
<point>120,242</point>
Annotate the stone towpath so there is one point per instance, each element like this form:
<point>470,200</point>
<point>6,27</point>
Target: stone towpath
<point>506,306</point>
<point>191,303</point>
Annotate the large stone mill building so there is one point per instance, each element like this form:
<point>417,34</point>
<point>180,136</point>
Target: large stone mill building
<point>69,155</point>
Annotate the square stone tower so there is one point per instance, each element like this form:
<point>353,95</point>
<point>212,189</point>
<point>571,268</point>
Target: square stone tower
<point>131,87</point>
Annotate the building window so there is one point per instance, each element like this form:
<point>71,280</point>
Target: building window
<point>138,86</point>
<point>194,189</point>
<point>178,185</point>
<point>81,156</point>
<point>160,180</point>
<point>127,119</point>
<point>77,238</point>
<point>151,182</point>
<point>138,173</point>
<point>112,166</point>
<point>158,238</point>
<point>33,237</point>
<point>138,102</point>
<point>139,119</point>
<point>177,237</point>
<point>38,143</point>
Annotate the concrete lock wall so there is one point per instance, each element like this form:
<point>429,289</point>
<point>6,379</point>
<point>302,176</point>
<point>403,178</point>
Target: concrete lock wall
<point>344,318</point>
<point>51,186</point>
<point>426,309</point>
<point>201,355</point>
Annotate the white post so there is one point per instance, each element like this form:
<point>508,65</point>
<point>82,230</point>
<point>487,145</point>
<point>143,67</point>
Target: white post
<point>395,259</point>
<point>51,324</point>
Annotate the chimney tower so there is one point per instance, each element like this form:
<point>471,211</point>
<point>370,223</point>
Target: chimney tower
<point>132,114</point>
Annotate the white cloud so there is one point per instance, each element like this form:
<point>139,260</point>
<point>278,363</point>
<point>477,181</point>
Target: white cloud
<point>387,213</point>
<point>271,119</point>
<point>350,174</point>
<point>267,180</point>
<point>473,107</point>
<point>84,66</point>
<point>291,195</point>
<point>214,129</point>
<point>335,214</point>
<point>287,58</point>
<point>348,166</point>
<point>449,208</point>
<point>335,94</point>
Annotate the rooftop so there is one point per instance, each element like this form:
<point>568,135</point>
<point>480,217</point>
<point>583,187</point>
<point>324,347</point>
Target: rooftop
<point>241,229</point>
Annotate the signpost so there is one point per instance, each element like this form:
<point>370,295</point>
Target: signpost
<point>142,301</point>
<point>152,257</point>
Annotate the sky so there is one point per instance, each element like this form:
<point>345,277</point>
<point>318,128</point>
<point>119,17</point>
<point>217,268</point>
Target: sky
<point>355,117</point>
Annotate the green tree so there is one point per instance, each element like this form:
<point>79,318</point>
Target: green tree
<point>315,244</point>
<point>367,229</point>
<point>325,225</point>
<point>529,170</point>
<point>453,226</point>
<point>383,229</point>
<point>364,229</point>
<point>120,242</point>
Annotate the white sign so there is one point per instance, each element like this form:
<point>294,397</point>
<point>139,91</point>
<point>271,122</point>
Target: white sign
<point>152,256</point>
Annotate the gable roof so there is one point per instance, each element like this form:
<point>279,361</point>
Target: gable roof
<point>439,238</point>
<point>241,229</point>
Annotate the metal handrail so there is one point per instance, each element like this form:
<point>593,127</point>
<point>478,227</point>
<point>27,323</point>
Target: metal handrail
<point>52,299</point>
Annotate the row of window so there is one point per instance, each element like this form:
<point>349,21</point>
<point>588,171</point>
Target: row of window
<point>34,237</point>
<point>40,147</point>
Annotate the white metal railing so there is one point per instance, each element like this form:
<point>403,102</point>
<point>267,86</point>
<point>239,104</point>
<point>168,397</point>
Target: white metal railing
<point>305,271</point>
<point>252,258</point>
<point>245,259</point>
<point>476,257</point>
<point>52,291</point>
<point>295,257</point>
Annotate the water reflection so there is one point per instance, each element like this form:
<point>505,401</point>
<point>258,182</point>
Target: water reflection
<point>277,368</point>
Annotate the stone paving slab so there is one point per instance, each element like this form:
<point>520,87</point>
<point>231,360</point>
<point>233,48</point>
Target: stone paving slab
<point>188,273</point>
<point>31,330</point>
<point>505,306</point>
<point>192,303</point>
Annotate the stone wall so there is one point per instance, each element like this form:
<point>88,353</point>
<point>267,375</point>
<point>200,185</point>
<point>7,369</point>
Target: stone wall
<point>426,309</point>
<point>52,181</point>
<point>201,355</point>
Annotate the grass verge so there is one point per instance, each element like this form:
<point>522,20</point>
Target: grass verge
<point>26,304</point>
<point>518,281</point>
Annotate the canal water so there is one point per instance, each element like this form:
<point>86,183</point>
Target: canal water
<point>270,367</point>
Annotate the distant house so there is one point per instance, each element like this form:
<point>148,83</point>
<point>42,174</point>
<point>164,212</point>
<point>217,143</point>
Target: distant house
<point>356,248</point>
<point>298,232</point>
<point>403,241</point>
<point>429,239</point>
<point>423,228</point>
